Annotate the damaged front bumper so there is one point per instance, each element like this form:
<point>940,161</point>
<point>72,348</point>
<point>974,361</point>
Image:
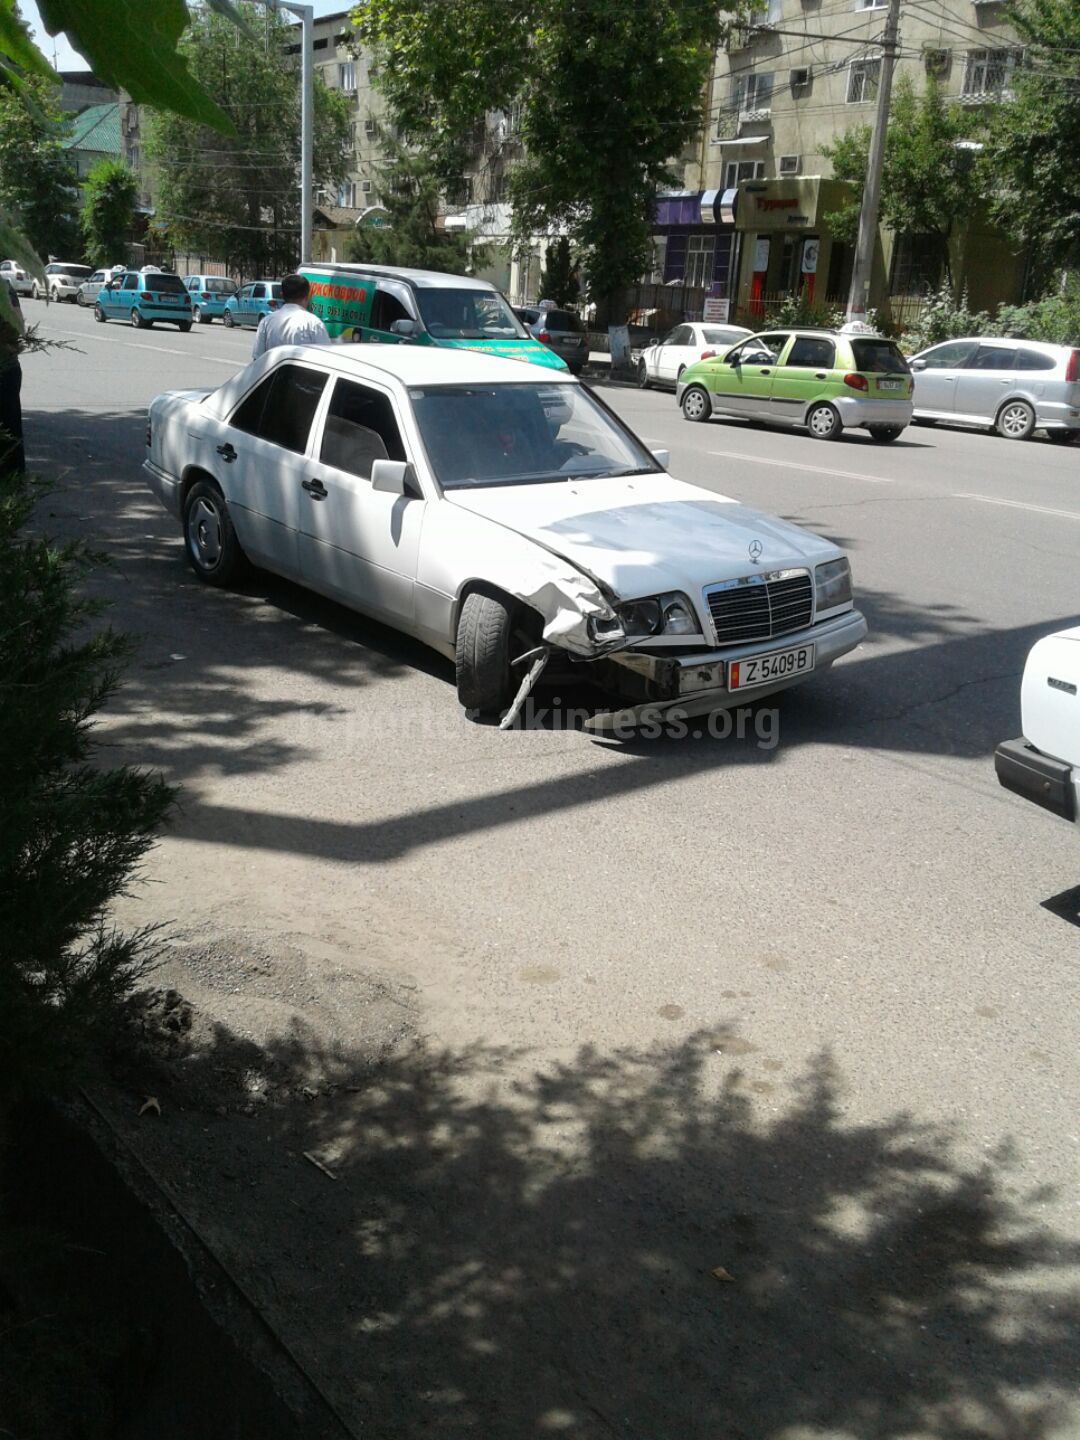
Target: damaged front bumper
<point>687,685</point>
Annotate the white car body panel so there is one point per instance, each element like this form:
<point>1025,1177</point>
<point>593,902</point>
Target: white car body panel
<point>663,361</point>
<point>1050,712</point>
<point>571,549</point>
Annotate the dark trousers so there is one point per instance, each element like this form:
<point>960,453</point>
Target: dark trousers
<point>12,454</point>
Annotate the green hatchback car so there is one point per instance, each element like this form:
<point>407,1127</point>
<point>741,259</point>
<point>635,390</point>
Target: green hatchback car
<point>827,380</point>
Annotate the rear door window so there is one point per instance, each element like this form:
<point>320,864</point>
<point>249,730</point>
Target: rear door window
<point>993,357</point>
<point>281,409</point>
<point>812,353</point>
<point>878,357</point>
<point>131,282</point>
<point>258,292</point>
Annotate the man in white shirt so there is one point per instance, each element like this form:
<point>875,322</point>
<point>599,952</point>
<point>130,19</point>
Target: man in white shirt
<point>293,324</point>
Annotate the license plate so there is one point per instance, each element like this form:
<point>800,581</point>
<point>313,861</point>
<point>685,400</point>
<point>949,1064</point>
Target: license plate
<point>763,669</point>
<point>890,384</point>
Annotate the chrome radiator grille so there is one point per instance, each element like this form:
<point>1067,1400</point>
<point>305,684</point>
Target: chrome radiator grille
<point>760,607</point>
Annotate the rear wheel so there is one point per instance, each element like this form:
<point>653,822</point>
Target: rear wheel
<point>99,315</point>
<point>883,434</point>
<point>198,316</point>
<point>1016,420</point>
<point>823,422</point>
<point>183,325</point>
<point>1063,437</point>
<point>642,375</point>
<point>485,681</point>
<point>137,320</point>
<point>210,541</point>
<point>696,405</point>
<point>35,293</point>
<point>227,320</point>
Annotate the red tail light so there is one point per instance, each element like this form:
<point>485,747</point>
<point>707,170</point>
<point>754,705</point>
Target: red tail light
<point>706,354</point>
<point>273,304</point>
<point>543,337</point>
<point>856,382</point>
<point>206,294</point>
<point>1072,366</point>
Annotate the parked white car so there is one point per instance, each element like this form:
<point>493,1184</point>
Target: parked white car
<point>87,292</point>
<point>62,281</point>
<point>19,279</point>
<point>1043,765</point>
<point>1012,386</point>
<point>498,514</point>
<point>663,362</point>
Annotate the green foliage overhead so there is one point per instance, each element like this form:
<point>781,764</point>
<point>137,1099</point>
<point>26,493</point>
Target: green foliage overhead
<point>930,185</point>
<point>607,92</point>
<point>38,184</point>
<point>558,279</point>
<point>409,188</point>
<point>1033,150</point>
<point>72,831</point>
<point>237,197</point>
<point>108,211</point>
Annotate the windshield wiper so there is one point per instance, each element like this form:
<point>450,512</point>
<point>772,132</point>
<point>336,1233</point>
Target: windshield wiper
<point>641,470</point>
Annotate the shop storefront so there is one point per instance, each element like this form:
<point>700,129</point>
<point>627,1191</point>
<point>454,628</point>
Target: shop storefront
<point>695,243</point>
<point>786,244</point>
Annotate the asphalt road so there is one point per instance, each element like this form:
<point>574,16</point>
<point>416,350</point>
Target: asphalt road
<point>804,1011</point>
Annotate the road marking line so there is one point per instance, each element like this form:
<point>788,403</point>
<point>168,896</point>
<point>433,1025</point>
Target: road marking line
<point>796,465</point>
<point>1022,505</point>
<point>143,345</point>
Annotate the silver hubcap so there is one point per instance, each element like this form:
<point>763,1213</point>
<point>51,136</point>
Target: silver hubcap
<point>204,533</point>
<point>1014,420</point>
<point>694,405</point>
<point>822,422</point>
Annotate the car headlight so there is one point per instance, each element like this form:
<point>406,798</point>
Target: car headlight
<point>670,614</point>
<point>832,582</point>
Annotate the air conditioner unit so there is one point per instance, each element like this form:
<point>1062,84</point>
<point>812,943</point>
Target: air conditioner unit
<point>937,61</point>
<point>800,78</point>
<point>790,164</point>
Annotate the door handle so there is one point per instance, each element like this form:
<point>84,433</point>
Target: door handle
<point>315,488</point>
<point>766,372</point>
<point>227,453</point>
<point>821,375</point>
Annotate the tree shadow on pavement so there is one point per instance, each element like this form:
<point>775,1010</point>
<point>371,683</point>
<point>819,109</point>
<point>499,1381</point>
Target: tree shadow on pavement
<point>647,1244</point>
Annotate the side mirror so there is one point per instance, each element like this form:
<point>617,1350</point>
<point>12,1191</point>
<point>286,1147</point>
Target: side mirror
<point>404,327</point>
<point>918,364</point>
<point>393,477</point>
<point>662,458</point>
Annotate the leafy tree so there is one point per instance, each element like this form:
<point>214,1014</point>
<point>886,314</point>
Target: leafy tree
<point>1032,158</point>
<point>236,196</point>
<point>929,184</point>
<point>108,211</point>
<point>38,184</point>
<point>72,832</point>
<point>410,191</point>
<point>607,92</point>
<point>558,279</point>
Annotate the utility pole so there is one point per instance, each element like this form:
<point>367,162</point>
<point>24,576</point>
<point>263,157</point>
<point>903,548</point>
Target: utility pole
<point>306,15</point>
<point>868,214</point>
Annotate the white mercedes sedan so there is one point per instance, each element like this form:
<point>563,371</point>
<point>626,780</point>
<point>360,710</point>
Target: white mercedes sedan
<point>504,517</point>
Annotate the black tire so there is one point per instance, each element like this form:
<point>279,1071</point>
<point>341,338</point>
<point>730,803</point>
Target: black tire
<point>823,421</point>
<point>643,376</point>
<point>183,326</point>
<point>884,434</point>
<point>227,320</point>
<point>576,369</point>
<point>210,542</point>
<point>35,293</point>
<point>1015,420</point>
<point>482,662</point>
<point>137,321</point>
<point>695,404</point>
<point>1063,437</point>
<point>99,315</point>
<point>198,316</point>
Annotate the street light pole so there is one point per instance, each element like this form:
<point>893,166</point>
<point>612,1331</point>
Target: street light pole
<point>859,294</point>
<point>306,15</point>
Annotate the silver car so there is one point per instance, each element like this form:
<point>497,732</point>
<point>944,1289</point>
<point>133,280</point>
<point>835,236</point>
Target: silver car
<point>1012,386</point>
<point>87,292</point>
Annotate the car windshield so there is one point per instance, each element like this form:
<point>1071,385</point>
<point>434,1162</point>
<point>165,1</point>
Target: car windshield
<point>523,434</point>
<point>165,282</point>
<point>878,357</point>
<point>466,314</point>
<point>215,286</point>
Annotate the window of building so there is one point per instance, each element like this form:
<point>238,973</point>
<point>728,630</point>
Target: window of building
<point>347,76</point>
<point>281,409</point>
<point>365,187</point>
<point>459,191</point>
<point>871,4</point>
<point>739,170</point>
<point>752,92</point>
<point>863,77</point>
<point>371,128</point>
<point>988,72</point>
<point>346,195</point>
<point>700,250</point>
<point>360,429</point>
<point>916,264</point>
<point>790,164</point>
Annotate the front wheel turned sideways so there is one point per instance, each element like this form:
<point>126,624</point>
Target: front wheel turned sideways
<point>227,320</point>
<point>884,434</point>
<point>824,423</point>
<point>99,315</point>
<point>213,551</point>
<point>482,659</point>
<point>696,405</point>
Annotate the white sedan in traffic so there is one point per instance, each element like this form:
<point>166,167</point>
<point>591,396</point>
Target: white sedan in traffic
<point>505,518</point>
<point>664,361</point>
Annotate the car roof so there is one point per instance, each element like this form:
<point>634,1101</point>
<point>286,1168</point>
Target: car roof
<point>425,279</point>
<point>1047,346</point>
<point>409,364</point>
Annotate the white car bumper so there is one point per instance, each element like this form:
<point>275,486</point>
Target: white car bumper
<point>165,486</point>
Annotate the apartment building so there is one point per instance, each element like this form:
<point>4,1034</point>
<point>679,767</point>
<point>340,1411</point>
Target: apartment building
<point>752,218</point>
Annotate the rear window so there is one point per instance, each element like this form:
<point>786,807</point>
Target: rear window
<point>713,336</point>
<point>165,282</point>
<point>878,357</point>
<point>215,286</point>
<point>562,320</point>
<point>77,272</point>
